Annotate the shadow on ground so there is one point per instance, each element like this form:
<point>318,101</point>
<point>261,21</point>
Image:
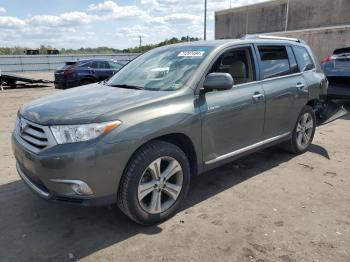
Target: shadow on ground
<point>25,86</point>
<point>34,230</point>
<point>346,104</point>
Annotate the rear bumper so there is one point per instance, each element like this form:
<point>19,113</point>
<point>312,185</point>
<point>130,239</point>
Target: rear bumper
<point>63,84</point>
<point>338,92</point>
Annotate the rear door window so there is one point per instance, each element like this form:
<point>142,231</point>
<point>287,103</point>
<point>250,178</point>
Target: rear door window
<point>303,58</point>
<point>274,61</point>
<point>293,63</point>
<point>100,65</point>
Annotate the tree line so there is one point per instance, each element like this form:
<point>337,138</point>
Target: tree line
<point>173,40</point>
<point>18,50</point>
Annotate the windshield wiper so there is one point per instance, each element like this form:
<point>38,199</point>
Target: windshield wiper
<point>128,86</point>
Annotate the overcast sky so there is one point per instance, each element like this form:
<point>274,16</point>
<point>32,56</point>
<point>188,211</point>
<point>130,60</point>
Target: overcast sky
<point>92,23</point>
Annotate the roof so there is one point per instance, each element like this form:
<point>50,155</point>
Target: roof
<point>247,40</point>
<point>94,59</point>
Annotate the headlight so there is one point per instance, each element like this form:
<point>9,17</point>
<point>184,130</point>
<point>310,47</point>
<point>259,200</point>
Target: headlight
<point>78,133</point>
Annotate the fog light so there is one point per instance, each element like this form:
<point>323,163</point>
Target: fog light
<point>81,189</point>
<point>78,187</point>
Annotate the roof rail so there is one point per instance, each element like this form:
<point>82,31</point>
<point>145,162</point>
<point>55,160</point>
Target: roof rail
<point>273,37</point>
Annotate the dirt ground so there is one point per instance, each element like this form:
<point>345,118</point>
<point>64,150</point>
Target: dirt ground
<point>270,206</point>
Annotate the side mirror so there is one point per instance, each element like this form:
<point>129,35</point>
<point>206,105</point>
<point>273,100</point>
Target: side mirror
<point>308,67</point>
<point>218,81</point>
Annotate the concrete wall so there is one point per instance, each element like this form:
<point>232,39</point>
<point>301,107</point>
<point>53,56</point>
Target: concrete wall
<point>323,24</point>
<point>322,41</point>
<point>318,13</point>
<point>271,16</point>
<point>259,18</point>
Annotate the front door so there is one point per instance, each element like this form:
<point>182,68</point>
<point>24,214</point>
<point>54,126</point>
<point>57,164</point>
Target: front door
<point>233,119</point>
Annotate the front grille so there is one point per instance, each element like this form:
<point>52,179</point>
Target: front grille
<point>36,137</point>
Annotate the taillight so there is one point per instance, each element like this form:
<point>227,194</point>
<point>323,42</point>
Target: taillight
<point>68,71</point>
<point>326,59</point>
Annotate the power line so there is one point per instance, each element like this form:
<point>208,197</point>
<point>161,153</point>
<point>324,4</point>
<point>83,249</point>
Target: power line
<point>205,19</point>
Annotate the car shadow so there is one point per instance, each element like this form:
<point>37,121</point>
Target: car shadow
<point>346,104</point>
<point>316,149</point>
<point>32,229</point>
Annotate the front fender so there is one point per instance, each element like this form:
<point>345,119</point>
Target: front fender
<point>148,123</point>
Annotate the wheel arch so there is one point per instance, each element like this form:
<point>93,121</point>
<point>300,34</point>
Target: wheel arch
<point>313,103</point>
<point>91,78</point>
<point>185,144</point>
<point>180,140</point>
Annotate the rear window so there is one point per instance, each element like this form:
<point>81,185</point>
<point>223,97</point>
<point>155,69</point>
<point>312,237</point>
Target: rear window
<point>100,65</point>
<point>68,65</point>
<point>303,58</point>
<point>274,61</point>
<point>340,51</point>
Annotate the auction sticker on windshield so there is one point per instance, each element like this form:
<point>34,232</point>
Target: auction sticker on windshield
<point>191,54</point>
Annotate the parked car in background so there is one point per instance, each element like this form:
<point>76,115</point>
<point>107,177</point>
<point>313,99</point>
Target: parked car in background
<point>172,113</point>
<point>337,70</point>
<point>86,71</point>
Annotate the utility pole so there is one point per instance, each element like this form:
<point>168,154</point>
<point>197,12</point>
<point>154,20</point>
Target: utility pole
<point>230,3</point>
<point>287,14</point>
<point>205,19</point>
<point>140,36</point>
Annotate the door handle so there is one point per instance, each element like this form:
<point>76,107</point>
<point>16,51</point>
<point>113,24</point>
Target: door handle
<point>258,96</point>
<point>300,86</point>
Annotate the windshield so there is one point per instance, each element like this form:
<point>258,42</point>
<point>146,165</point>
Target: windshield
<point>161,69</point>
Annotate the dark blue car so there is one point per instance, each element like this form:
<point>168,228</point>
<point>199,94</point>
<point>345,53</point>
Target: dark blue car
<point>85,72</point>
<point>337,70</point>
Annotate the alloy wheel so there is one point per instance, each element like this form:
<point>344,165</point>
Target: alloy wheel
<point>304,130</point>
<point>160,185</point>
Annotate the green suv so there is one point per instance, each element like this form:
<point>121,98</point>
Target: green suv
<point>172,113</point>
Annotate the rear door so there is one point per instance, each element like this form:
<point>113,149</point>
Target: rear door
<point>101,69</point>
<point>284,86</point>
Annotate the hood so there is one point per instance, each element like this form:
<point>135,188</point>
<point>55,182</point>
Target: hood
<point>86,104</point>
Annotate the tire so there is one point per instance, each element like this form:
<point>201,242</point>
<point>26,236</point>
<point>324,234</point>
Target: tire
<point>140,186</point>
<point>298,144</point>
<point>85,82</point>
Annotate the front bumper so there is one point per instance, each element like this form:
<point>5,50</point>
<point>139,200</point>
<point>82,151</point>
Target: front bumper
<point>94,164</point>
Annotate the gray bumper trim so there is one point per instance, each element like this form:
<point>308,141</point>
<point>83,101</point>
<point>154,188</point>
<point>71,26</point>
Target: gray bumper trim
<point>31,185</point>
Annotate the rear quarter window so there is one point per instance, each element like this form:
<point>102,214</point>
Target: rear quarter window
<point>85,65</point>
<point>67,65</point>
<point>304,59</point>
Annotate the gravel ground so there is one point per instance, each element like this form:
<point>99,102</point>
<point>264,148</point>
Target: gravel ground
<point>270,206</point>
